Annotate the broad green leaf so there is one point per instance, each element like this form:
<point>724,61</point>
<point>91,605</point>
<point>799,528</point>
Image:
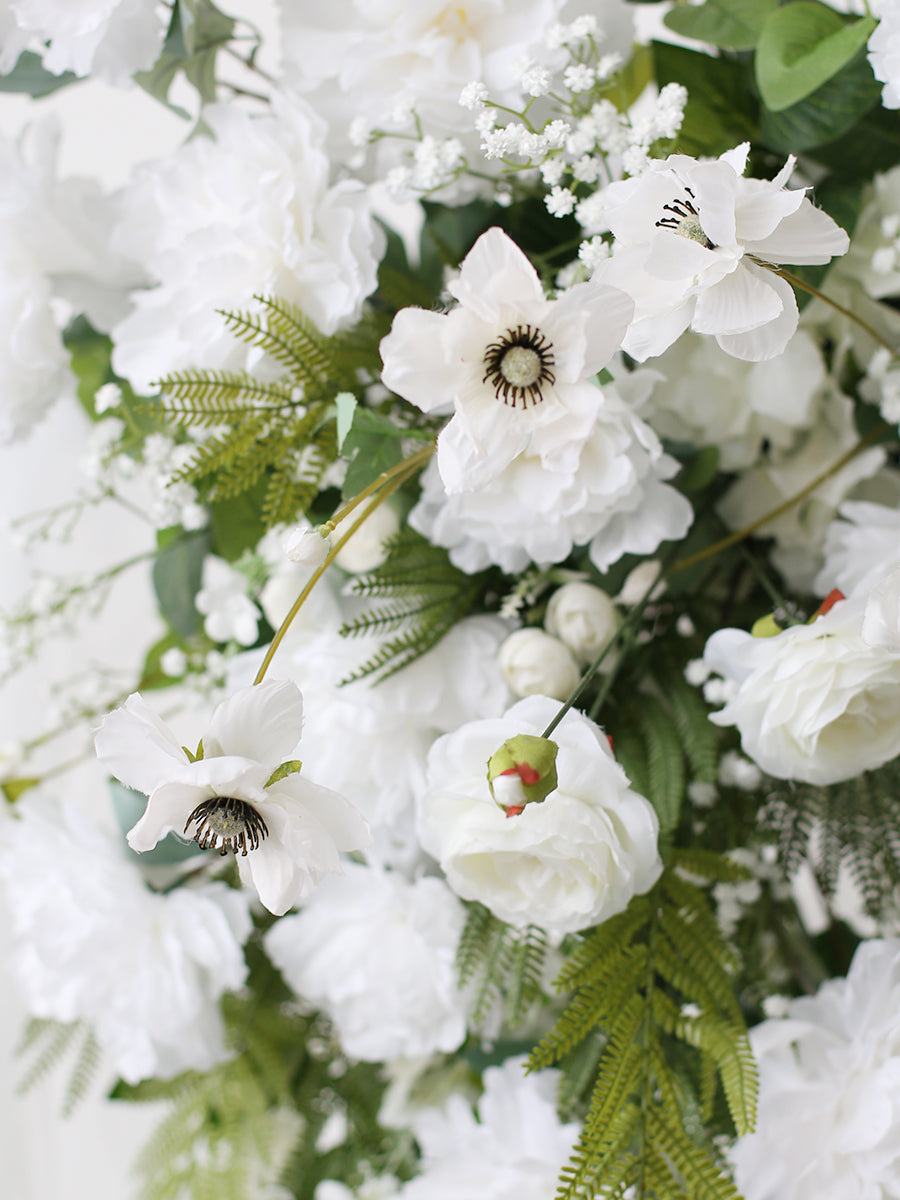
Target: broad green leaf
<point>721,110</point>
<point>129,808</point>
<point>802,46</point>
<point>731,24</point>
<point>868,148</point>
<point>89,354</point>
<point>346,405</point>
<point>30,77</point>
<point>237,523</point>
<point>373,445</point>
<point>177,574</point>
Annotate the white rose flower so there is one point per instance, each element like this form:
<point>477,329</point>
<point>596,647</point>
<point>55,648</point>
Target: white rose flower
<point>92,942</point>
<point>378,955</point>
<point>211,236</point>
<point>583,617</point>
<point>533,662</point>
<point>814,702</point>
<point>829,1090</point>
<point>285,831</point>
<point>565,863</point>
<point>690,237</point>
<point>229,612</point>
<point>860,548</point>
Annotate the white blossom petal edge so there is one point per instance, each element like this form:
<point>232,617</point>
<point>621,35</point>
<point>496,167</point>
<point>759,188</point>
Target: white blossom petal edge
<point>286,832</point>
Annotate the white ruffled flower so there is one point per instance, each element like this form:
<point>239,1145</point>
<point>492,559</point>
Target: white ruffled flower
<point>212,235</point>
<point>515,1147</point>
<point>688,237</point>
<point>229,613</point>
<point>814,702</point>
<point>285,831</point>
<point>884,51</point>
<point>378,955</point>
<point>514,365</point>
<point>93,943</point>
<point>829,1090</point>
<point>881,620</point>
<point>583,617</point>
<point>861,547</point>
<point>534,663</point>
<point>568,862</point>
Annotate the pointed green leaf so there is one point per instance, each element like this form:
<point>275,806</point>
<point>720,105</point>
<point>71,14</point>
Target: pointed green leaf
<point>345,403</point>
<point>731,24</point>
<point>30,77</point>
<point>14,788</point>
<point>291,767</point>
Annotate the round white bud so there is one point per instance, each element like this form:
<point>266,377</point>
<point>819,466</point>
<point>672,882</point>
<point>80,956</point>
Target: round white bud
<point>583,617</point>
<point>366,549</point>
<point>534,663</point>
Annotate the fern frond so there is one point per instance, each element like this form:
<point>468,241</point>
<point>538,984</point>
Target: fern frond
<point>221,393</point>
<point>310,347</point>
<point>50,1041</point>
<point>256,330</point>
<point>665,761</point>
<point>500,964</point>
<point>708,864</point>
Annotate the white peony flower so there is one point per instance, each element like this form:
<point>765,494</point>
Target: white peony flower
<point>533,662</point>
<point>829,1090</point>
<point>245,213</point>
<point>881,619</point>
<point>240,796</point>
<point>229,613</point>
<point>583,617</point>
<point>516,1147</point>
<point>690,238</point>
<point>860,548</point>
<point>565,863</point>
<point>815,702</point>
<point>93,943</point>
<point>884,51</point>
<point>111,39</point>
<point>378,955</point>
<point>514,365</point>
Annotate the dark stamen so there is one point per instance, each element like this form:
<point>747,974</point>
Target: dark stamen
<point>224,823</point>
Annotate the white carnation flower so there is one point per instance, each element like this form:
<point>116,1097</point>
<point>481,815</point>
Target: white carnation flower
<point>570,861</point>
<point>861,547</point>
<point>690,240</point>
<point>247,212</point>
<point>93,943</point>
<point>378,955</point>
<point>814,702</point>
<point>829,1090</point>
<point>515,1147</point>
<point>285,831</point>
<point>884,51</point>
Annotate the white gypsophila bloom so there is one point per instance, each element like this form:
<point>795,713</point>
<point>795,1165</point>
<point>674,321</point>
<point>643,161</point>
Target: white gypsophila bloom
<point>608,493</point>
<point>93,943</point>
<point>861,546</point>
<point>691,238</point>
<point>874,254</point>
<point>515,1147</point>
<point>240,796</point>
<point>377,954</point>
<point>829,1090</point>
<point>884,51</point>
<point>711,399</point>
<point>533,663</point>
<point>814,702</point>
<point>568,862</point>
<point>110,39</point>
<point>228,612</point>
<point>246,212</point>
<point>514,366</point>
<point>583,617</point>
<point>800,532</point>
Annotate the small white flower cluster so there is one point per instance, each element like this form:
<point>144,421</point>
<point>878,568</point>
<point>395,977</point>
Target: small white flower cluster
<point>435,163</point>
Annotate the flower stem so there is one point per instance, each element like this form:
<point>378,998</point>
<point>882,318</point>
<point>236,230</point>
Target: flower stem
<point>385,485</point>
<point>797,282</point>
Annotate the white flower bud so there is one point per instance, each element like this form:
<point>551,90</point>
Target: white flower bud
<point>639,580</point>
<point>583,617</point>
<point>306,546</point>
<point>534,663</point>
<point>366,549</point>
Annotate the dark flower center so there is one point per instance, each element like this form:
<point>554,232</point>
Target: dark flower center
<point>518,365</point>
<point>224,824</point>
<point>685,221</point>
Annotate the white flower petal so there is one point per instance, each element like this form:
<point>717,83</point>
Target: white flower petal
<point>261,722</point>
<point>769,340</point>
<point>137,746</point>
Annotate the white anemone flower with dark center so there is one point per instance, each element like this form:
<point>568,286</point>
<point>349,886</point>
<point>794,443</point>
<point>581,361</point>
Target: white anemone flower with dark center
<point>514,365</point>
<point>692,243</point>
<point>239,796</point>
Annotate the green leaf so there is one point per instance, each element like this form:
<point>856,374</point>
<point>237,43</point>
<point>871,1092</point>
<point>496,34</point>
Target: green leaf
<point>177,575</point>
<point>292,767</point>
<point>129,808</point>
<point>665,762</point>
<point>700,470</point>
<point>867,149</point>
<point>89,356</point>
<point>731,24</point>
<point>152,675</point>
<point>14,788</point>
<point>373,445</point>
<point>721,110</point>
<point>346,405</point>
<point>802,46</point>
<point>237,523</point>
<point>30,77</point>
<point>197,30</point>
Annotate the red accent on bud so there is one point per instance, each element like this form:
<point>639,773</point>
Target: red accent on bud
<point>611,746</point>
<point>525,772</point>
<point>513,810</point>
<point>829,602</point>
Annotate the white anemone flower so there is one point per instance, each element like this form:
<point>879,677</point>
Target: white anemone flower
<point>514,365</point>
<point>240,796</point>
<point>692,241</point>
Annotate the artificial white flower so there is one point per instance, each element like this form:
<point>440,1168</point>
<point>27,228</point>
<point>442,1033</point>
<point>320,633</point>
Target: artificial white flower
<point>366,550</point>
<point>533,662</point>
<point>229,613</point>
<point>93,943</point>
<point>829,1090</point>
<point>514,365</point>
<point>814,702</point>
<point>570,861</point>
<point>378,955</point>
<point>690,240</point>
<point>881,620</point>
<point>884,51</point>
<point>306,547</point>
<point>860,547</point>
<point>583,617</point>
<point>285,831</point>
<point>212,235</point>
<point>515,1148</point>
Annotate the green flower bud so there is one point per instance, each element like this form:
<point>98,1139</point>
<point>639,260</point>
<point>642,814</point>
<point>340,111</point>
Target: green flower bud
<point>522,771</point>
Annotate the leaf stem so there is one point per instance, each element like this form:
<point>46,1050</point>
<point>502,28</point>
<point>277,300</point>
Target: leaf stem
<point>797,282</point>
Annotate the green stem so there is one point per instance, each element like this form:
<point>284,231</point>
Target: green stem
<point>797,282</point>
<point>406,467</point>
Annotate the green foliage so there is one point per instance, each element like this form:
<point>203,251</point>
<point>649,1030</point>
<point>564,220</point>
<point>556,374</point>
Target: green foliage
<point>721,110</point>
<point>653,988</point>
<point>426,596</point>
<point>500,965</point>
<point>177,574</point>
<point>48,1042</point>
<point>855,823</point>
<point>29,77</point>
<point>197,31</point>
<point>803,45</point>
<point>731,24</point>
